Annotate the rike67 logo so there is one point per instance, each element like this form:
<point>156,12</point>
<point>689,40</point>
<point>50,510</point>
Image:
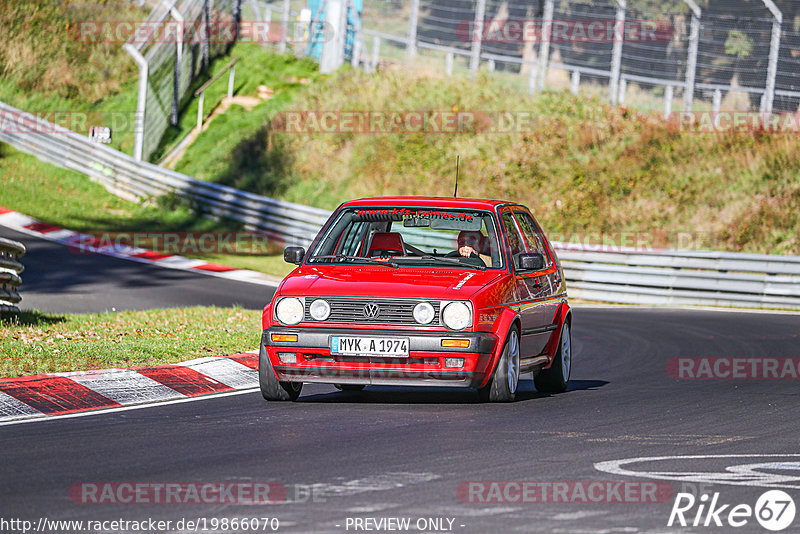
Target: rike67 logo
<point>774,510</point>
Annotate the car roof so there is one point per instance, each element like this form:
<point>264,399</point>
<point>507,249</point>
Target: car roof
<point>444,202</point>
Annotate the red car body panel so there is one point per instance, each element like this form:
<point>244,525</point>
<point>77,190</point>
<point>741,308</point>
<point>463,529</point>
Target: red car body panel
<point>535,302</point>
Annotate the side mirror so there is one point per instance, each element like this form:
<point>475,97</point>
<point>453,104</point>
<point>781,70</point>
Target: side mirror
<point>533,261</point>
<point>294,255</point>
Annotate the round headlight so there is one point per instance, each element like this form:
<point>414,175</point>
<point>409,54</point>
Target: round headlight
<point>423,313</point>
<point>289,310</point>
<point>320,310</point>
<point>456,316</point>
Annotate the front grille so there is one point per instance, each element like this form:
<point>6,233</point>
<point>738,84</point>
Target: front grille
<point>391,311</point>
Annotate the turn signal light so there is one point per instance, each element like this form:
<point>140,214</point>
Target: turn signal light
<point>455,343</point>
<point>285,338</point>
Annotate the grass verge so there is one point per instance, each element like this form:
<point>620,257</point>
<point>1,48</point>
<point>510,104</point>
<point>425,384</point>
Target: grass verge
<point>586,168</point>
<point>34,343</point>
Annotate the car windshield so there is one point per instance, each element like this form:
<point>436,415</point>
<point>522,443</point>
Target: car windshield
<point>403,236</point>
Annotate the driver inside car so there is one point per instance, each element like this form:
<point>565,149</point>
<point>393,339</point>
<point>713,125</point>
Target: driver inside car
<point>471,244</point>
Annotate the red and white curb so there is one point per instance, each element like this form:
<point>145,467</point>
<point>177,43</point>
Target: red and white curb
<point>42,396</point>
<point>28,225</point>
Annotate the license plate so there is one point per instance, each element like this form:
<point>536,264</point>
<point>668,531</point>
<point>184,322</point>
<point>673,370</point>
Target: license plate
<point>394,347</point>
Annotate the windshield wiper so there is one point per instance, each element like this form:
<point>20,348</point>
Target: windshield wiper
<point>357,258</point>
<point>447,260</point>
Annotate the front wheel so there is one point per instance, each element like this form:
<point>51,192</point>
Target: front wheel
<point>271,388</point>
<point>556,379</point>
<point>502,387</point>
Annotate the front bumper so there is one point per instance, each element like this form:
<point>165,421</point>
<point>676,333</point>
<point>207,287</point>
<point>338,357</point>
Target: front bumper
<point>424,366</point>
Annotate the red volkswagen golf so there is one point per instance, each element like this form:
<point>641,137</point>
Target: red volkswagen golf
<point>420,291</point>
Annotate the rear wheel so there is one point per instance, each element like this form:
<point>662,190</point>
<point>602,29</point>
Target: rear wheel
<point>349,387</point>
<point>271,388</point>
<point>556,379</point>
<point>502,387</point>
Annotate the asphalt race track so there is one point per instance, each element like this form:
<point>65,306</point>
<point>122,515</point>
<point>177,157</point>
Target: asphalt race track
<point>408,453</point>
<point>58,280</point>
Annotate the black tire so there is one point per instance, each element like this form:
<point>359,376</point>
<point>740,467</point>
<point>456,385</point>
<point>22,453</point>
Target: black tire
<point>502,387</point>
<point>271,388</point>
<point>349,387</point>
<point>556,378</point>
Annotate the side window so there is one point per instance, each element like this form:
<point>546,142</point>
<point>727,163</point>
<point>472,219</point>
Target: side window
<point>514,238</point>
<point>532,234</point>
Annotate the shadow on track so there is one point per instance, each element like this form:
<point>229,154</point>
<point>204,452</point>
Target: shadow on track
<point>435,395</point>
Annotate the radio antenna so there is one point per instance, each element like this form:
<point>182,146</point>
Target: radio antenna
<point>455,192</point>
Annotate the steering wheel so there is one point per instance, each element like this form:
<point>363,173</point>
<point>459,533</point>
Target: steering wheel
<point>385,252</point>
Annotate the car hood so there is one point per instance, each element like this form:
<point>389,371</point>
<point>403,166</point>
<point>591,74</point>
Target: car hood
<point>382,281</point>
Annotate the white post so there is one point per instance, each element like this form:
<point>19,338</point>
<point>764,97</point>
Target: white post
<point>691,63</point>
<point>141,100</point>
<point>668,101</point>
<point>623,88</point>
<point>231,78</point>
<point>285,23</point>
<point>411,48</point>
<point>616,54</point>
<point>477,37</point>
<point>533,78</point>
<point>576,82</point>
<point>448,63</point>
<point>376,52</point>
<point>716,102</point>
<point>774,49</point>
<point>200,111</point>
<point>354,59</point>
<point>490,64</point>
<point>544,48</point>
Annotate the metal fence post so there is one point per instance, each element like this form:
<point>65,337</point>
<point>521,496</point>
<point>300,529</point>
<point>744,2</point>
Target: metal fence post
<point>178,16</point>
<point>448,63</point>
<point>575,82</point>
<point>716,102</point>
<point>411,48</point>
<point>774,49</point>
<point>623,88</point>
<point>285,22</point>
<point>200,105</point>
<point>206,37</point>
<point>477,36</point>
<point>141,100</point>
<point>616,54</point>
<point>544,48</point>
<point>668,93</point>
<point>231,80</point>
<point>376,53</point>
<point>691,62</point>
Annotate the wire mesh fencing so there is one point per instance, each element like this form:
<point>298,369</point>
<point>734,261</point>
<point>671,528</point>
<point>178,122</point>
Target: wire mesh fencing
<point>171,48</point>
<point>654,54</point>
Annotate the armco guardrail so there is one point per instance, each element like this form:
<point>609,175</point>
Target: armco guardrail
<point>622,275</point>
<point>124,176</point>
<point>673,277</point>
<point>10,269</point>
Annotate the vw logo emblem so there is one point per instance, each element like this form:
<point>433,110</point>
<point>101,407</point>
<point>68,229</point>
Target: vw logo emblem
<point>371,310</point>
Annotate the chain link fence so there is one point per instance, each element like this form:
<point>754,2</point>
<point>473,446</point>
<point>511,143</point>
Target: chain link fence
<point>171,48</point>
<point>741,55</point>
